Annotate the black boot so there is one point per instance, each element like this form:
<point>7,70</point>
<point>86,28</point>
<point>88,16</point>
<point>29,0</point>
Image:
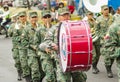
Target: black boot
<point>19,75</point>
<point>37,81</point>
<point>95,70</point>
<point>109,71</point>
<point>28,78</point>
<point>42,77</point>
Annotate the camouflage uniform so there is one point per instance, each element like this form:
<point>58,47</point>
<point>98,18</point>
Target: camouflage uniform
<point>33,59</point>
<point>113,43</point>
<point>15,51</point>
<point>51,38</point>
<point>45,58</point>
<point>23,46</point>
<point>102,27</point>
<point>96,43</point>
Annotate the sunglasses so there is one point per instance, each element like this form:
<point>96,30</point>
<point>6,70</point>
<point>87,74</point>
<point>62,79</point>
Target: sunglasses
<point>47,16</point>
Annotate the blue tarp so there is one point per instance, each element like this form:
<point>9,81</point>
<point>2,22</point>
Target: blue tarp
<point>114,3</point>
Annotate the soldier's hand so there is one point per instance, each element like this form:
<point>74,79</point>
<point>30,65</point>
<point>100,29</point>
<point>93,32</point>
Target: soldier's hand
<point>54,46</point>
<point>48,50</point>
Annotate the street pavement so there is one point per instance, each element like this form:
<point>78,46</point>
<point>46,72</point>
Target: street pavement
<point>8,72</point>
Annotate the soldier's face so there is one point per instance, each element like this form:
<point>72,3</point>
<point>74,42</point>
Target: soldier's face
<point>47,19</point>
<point>34,19</point>
<point>90,16</point>
<point>118,11</point>
<point>64,17</point>
<point>23,18</point>
<point>105,11</point>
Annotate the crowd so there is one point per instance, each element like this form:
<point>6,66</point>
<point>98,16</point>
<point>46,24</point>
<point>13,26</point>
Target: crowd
<point>35,45</point>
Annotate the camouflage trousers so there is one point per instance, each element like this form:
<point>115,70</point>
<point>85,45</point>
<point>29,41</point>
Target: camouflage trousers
<point>106,52</point>
<point>96,52</point>
<point>16,57</point>
<point>47,66</point>
<point>62,77</point>
<point>66,77</point>
<point>118,67</point>
<point>79,76</point>
<point>35,65</point>
<point>24,62</point>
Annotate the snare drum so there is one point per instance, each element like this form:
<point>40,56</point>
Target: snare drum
<point>75,46</point>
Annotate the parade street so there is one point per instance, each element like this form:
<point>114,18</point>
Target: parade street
<point>8,72</point>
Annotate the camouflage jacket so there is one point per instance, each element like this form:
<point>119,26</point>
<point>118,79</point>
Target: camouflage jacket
<point>112,40</point>
<point>92,25</point>
<point>50,37</point>
<point>103,25</point>
<point>13,32</point>
<point>22,40</point>
<point>29,34</point>
<point>40,34</point>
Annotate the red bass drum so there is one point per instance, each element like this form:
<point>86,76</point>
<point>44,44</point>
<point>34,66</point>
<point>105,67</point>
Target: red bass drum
<point>75,46</point>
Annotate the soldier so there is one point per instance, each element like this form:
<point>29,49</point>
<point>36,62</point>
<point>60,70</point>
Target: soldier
<point>21,25</point>
<point>45,58</point>
<point>117,14</point>
<point>15,51</point>
<point>103,22</point>
<point>33,59</point>
<point>96,42</point>
<point>51,41</point>
<point>113,43</point>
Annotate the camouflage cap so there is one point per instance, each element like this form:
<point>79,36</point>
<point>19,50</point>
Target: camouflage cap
<point>45,12</point>
<point>104,7</point>
<point>63,11</point>
<point>89,13</point>
<point>33,14</point>
<point>23,13</point>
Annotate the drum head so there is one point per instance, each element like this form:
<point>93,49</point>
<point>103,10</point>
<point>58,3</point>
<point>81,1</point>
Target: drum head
<point>63,47</point>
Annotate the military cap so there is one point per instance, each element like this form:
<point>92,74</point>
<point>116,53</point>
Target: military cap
<point>104,7</point>
<point>23,13</point>
<point>63,11</point>
<point>45,12</point>
<point>89,13</point>
<point>33,14</point>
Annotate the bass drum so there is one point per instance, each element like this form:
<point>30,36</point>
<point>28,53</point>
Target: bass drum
<point>75,46</point>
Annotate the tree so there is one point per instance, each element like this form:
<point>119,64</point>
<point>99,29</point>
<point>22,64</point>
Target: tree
<point>28,4</point>
<point>48,5</point>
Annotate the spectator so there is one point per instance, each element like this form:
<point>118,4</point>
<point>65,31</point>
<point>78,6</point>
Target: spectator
<point>5,19</point>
